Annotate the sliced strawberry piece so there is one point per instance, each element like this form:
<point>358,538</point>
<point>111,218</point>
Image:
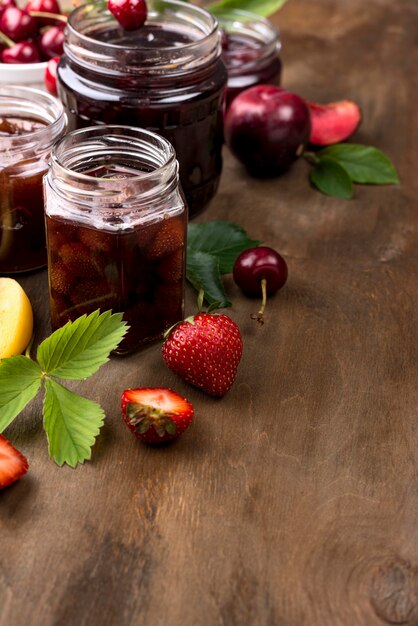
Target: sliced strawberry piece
<point>170,237</point>
<point>146,234</point>
<point>155,415</point>
<point>13,464</point>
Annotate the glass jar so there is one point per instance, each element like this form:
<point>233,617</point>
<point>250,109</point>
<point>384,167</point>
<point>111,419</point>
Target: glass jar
<point>167,76</point>
<point>250,50</point>
<point>30,123</point>
<point>116,230</point>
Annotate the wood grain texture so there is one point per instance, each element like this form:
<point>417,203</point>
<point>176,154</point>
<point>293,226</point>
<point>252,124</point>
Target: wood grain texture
<point>294,500</point>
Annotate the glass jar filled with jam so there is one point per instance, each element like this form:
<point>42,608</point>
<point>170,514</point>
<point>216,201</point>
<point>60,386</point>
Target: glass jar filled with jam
<point>116,230</point>
<point>250,50</point>
<point>30,123</point>
<point>167,76</point>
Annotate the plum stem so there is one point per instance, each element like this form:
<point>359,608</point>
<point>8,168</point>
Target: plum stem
<point>311,157</point>
<point>260,315</point>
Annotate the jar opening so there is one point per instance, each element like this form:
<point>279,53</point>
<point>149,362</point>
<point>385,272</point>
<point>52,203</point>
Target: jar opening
<point>252,39</point>
<point>117,167</point>
<point>176,38</point>
<point>26,103</point>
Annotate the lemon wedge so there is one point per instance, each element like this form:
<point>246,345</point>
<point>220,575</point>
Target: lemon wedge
<point>16,318</point>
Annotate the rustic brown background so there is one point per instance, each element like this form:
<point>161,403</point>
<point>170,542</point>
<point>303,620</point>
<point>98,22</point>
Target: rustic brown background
<point>294,500</point>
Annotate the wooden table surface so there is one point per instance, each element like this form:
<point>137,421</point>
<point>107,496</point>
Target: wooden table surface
<point>292,501</point>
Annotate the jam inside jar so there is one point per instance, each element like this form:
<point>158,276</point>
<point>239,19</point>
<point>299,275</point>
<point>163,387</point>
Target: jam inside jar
<point>30,122</point>
<point>167,76</point>
<point>116,230</point>
<point>250,50</point>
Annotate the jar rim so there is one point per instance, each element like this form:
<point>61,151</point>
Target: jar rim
<point>46,107</point>
<point>110,58</point>
<point>191,7</point>
<point>103,145</point>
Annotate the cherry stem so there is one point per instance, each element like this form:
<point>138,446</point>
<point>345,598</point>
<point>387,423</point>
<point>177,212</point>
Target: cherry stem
<point>50,16</point>
<point>260,315</point>
<point>6,40</point>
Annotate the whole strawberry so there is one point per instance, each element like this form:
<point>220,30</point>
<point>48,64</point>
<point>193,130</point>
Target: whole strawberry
<point>205,350</point>
<point>155,415</point>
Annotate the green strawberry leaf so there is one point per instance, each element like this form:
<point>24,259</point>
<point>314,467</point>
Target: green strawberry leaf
<point>332,179</point>
<point>202,271</point>
<point>79,348</point>
<point>20,381</point>
<point>72,424</point>
<point>260,7</point>
<point>364,164</point>
<point>224,240</point>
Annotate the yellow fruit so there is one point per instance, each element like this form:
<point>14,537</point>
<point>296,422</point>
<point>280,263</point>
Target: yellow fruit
<point>16,318</point>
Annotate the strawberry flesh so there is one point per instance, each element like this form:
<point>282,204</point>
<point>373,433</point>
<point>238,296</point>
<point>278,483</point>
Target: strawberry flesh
<point>155,415</point>
<point>13,464</point>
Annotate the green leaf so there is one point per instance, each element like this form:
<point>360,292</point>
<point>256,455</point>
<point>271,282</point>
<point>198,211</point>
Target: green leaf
<point>20,381</point>
<point>224,240</point>
<point>332,179</point>
<point>202,271</point>
<point>364,164</point>
<point>260,7</point>
<point>79,348</point>
<point>71,423</point>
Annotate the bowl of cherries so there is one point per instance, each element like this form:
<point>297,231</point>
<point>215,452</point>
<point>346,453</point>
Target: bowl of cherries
<point>29,38</point>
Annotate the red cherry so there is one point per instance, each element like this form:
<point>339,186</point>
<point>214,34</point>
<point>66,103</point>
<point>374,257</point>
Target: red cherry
<point>50,76</point>
<point>45,6</point>
<point>260,271</point>
<point>21,52</point>
<point>6,3</point>
<point>17,24</point>
<point>51,43</point>
<point>131,14</point>
<point>267,128</point>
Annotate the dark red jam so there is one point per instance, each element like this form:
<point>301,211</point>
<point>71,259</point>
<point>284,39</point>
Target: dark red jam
<point>246,64</point>
<point>22,225</point>
<point>138,271</point>
<point>185,109</point>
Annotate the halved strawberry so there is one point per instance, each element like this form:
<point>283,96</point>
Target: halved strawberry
<point>13,464</point>
<point>156,414</point>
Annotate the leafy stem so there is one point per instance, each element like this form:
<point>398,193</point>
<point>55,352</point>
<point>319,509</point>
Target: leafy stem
<point>73,352</point>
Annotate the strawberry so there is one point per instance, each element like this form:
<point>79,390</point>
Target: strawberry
<point>205,350</point>
<point>13,464</point>
<point>170,237</point>
<point>60,277</point>
<point>95,239</point>
<point>157,414</point>
<point>89,295</point>
<point>78,260</point>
